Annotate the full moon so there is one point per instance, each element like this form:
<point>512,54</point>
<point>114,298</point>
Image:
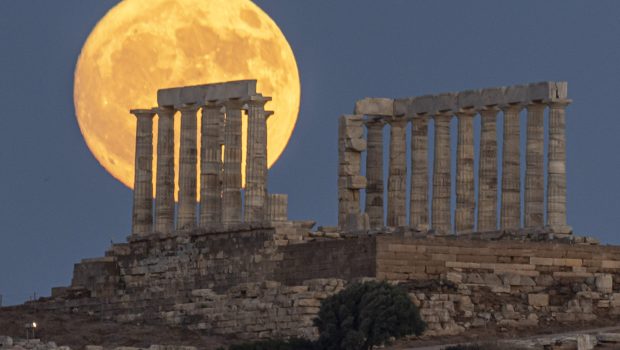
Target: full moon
<point>141,46</point>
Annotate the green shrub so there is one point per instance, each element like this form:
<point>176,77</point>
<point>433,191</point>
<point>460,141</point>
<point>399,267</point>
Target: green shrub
<point>366,314</point>
<point>291,344</point>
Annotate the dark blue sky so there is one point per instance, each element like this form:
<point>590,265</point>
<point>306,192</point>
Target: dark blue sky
<point>58,205</point>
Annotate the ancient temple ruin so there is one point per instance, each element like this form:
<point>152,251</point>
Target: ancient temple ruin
<point>223,105</point>
<point>374,114</point>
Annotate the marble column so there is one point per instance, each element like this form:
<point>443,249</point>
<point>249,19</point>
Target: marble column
<point>231,182</point>
<point>256,161</point>
<point>556,167</point>
<point>487,171</point>
<point>397,177</point>
<point>511,170</point>
<point>164,186</point>
<point>441,175</point>
<point>465,195</point>
<point>374,171</point>
<point>142,213</point>
<point>534,171</point>
<point>211,165</point>
<point>418,197</point>
<point>188,162</point>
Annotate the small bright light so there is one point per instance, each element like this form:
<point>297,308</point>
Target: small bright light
<point>34,325</point>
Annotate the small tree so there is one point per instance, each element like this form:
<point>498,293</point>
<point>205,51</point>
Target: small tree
<point>366,314</point>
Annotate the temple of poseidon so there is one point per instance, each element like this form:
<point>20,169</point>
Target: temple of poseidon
<point>233,264</point>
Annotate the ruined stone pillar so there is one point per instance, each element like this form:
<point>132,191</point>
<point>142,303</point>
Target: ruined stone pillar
<point>188,159</point>
<point>534,172</point>
<point>142,213</point>
<point>397,176</point>
<point>418,198</point>
<point>231,182</point>
<point>556,178</point>
<point>465,195</point>
<point>511,173</point>
<point>351,144</point>
<point>256,161</point>
<point>374,172</point>
<point>487,171</point>
<point>211,165</point>
<point>164,186</point>
<point>277,207</point>
<point>441,174</point>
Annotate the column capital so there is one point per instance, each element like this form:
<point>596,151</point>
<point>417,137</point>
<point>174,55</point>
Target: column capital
<point>143,113</point>
<point>489,112</point>
<point>443,115</point>
<point>233,103</point>
<point>256,100</point>
<point>512,107</point>
<point>396,120</point>
<point>188,108</point>
<point>466,113</point>
<point>559,104</point>
<point>268,114</point>
<point>165,111</point>
<point>375,120</point>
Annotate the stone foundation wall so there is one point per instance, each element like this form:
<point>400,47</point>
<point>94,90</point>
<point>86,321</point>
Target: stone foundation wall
<point>250,285</point>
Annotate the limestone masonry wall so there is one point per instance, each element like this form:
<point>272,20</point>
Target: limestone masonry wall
<point>252,284</point>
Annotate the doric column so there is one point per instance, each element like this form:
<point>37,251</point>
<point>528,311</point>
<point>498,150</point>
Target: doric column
<point>211,165</point>
<point>534,171</point>
<point>511,173</point>
<point>142,214</point>
<point>397,177</point>
<point>374,171</point>
<point>351,144</point>
<point>188,159</point>
<point>556,178</point>
<point>231,182</point>
<point>164,186</point>
<point>465,195</point>
<point>256,161</point>
<point>418,198</point>
<point>487,171</point>
<point>441,174</point>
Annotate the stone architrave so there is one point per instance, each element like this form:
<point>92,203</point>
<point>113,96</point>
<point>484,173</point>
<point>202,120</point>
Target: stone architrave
<point>511,170</point>
<point>374,172</point>
<point>397,175</point>
<point>211,165</point>
<point>188,162</point>
<point>164,186</point>
<point>441,222</point>
<point>556,178</point>
<point>487,171</point>
<point>534,171</point>
<point>465,192</point>
<point>418,202</point>
<point>256,161</point>
<point>142,213</point>
<point>231,182</point>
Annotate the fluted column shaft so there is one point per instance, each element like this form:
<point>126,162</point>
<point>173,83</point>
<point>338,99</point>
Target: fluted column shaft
<point>465,195</point>
<point>211,165</point>
<point>397,178</point>
<point>374,173</point>
<point>142,213</point>
<point>534,171</point>
<point>441,175</point>
<point>231,185</point>
<point>556,178</point>
<point>188,159</point>
<point>164,186</point>
<point>418,206</point>
<point>487,171</point>
<point>511,173</point>
<point>256,162</point>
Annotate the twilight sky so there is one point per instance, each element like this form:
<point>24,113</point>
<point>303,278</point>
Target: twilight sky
<point>58,205</point>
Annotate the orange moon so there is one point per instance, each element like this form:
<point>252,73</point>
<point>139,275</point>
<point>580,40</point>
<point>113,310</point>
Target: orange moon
<point>141,46</point>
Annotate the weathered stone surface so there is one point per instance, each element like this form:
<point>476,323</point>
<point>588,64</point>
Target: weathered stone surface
<point>441,175</point>
<point>374,173</point>
<point>604,283</point>
<point>200,94</point>
<point>350,133</point>
<point>548,91</point>
<point>538,299</point>
<point>277,207</point>
<point>511,173</point>
<point>231,177</point>
<point>534,171</point>
<point>397,174</point>
<point>556,168</point>
<point>465,195</point>
<point>375,106</point>
<point>487,173</point>
<point>164,187</point>
<point>142,212</point>
<point>188,159</point>
<point>255,200</point>
<point>418,207</point>
<point>211,165</point>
